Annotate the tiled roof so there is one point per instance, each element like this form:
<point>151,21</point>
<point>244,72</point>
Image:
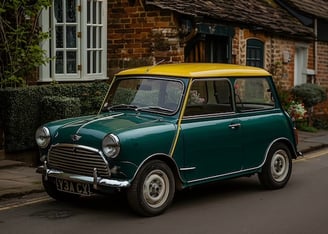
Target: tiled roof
<point>261,14</point>
<point>318,8</point>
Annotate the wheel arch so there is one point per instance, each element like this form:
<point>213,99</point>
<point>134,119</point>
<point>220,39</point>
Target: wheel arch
<point>276,169</point>
<point>286,142</point>
<point>168,161</point>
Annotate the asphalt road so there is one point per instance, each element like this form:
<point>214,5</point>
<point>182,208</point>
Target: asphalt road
<point>236,206</point>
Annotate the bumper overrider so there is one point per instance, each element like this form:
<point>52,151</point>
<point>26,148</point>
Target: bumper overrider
<point>98,183</point>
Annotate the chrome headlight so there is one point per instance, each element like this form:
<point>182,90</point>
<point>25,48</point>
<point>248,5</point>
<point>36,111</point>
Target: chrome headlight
<point>42,137</point>
<point>111,146</point>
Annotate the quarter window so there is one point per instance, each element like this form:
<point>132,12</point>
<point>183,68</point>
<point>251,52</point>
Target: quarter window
<point>253,94</point>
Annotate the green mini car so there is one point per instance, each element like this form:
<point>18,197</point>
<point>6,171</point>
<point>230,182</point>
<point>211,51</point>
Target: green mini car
<point>168,127</point>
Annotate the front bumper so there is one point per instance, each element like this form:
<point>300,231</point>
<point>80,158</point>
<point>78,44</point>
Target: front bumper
<point>97,182</point>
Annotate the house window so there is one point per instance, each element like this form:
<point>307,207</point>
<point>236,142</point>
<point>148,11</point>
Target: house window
<point>255,51</point>
<point>77,44</point>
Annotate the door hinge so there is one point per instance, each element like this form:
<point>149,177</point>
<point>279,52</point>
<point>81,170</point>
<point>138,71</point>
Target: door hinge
<point>79,67</point>
<point>79,34</point>
<point>79,8</point>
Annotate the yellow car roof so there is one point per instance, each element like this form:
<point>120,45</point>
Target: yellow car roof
<point>197,70</point>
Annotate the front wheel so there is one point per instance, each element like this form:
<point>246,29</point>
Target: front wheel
<point>153,189</point>
<point>277,169</point>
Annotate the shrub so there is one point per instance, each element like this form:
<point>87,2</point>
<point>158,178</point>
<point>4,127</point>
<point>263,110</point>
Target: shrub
<point>24,109</point>
<point>320,121</point>
<point>310,94</point>
<point>55,107</point>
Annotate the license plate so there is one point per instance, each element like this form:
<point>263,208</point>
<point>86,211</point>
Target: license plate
<point>73,187</point>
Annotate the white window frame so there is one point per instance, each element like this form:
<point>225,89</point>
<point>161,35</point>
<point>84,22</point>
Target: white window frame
<point>47,71</point>
<point>300,61</point>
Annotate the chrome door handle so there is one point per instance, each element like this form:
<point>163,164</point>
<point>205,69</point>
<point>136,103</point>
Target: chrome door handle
<point>234,126</point>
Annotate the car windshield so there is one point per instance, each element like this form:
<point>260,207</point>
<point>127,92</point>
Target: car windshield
<point>145,94</point>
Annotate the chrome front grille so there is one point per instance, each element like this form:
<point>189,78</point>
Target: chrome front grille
<point>77,159</point>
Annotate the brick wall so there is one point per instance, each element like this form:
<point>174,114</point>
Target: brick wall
<point>274,47</point>
<point>322,74</point>
<point>140,37</point>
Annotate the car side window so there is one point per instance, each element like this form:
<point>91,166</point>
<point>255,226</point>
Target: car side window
<point>208,97</point>
<point>253,94</point>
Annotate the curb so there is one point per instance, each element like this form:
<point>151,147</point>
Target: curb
<point>10,163</point>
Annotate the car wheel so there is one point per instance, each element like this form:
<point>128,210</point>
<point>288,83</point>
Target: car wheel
<point>277,169</point>
<point>51,190</point>
<point>152,190</point>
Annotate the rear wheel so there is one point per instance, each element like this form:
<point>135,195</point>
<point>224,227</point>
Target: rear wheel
<point>153,189</point>
<point>278,167</point>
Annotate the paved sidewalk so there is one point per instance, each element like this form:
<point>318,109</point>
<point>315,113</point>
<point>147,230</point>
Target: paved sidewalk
<point>16,178</point>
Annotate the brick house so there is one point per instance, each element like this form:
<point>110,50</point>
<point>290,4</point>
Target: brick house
<point>97,38</point>
<point>314,14</point>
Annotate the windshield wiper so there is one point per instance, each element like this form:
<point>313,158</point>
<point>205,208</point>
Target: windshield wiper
<point>158,108</point>
<point>122,106</point>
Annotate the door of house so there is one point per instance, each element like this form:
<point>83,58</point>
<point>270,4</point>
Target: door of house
<point>300,67</point>
<point>208,48</point>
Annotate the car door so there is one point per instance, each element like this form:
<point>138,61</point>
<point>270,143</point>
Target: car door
<point>210,132</point>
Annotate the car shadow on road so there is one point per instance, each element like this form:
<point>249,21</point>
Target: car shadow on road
<point>218,190</point>
<point>197,195</point>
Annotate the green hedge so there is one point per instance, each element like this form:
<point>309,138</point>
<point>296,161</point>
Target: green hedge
<point>25,109</point>
<point>55,107</point>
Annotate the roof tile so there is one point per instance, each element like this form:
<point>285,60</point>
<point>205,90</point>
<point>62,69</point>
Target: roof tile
<point>318,8</point>
<point>265,14</point>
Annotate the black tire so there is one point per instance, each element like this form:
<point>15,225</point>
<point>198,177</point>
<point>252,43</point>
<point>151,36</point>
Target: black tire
<point>277,168</point>
<point>51,190</point>
<point>152,190</point>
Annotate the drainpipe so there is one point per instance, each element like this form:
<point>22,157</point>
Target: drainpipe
<point>315,49</point>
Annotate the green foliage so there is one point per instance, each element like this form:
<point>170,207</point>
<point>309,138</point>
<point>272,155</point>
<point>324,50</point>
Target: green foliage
<point>24,109</point>
<point>321,121</point>
<point>20,38</point>
<point>285,97</point>
<point>310,94</point>
<point>55,107</point>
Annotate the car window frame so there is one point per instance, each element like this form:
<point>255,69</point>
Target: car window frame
<point>271,88</point>
<point>154,77</point>
<point>217,114</point>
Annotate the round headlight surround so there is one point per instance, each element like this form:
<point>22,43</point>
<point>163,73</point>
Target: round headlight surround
<point>111,146</point>
<point>42,137</point>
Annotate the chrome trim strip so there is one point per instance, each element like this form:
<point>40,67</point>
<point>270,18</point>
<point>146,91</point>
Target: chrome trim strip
<point>95,181</point>
<point>77,146</point>
<point>187,168</point>
<point>98,119</point>
<point>221,175</point>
